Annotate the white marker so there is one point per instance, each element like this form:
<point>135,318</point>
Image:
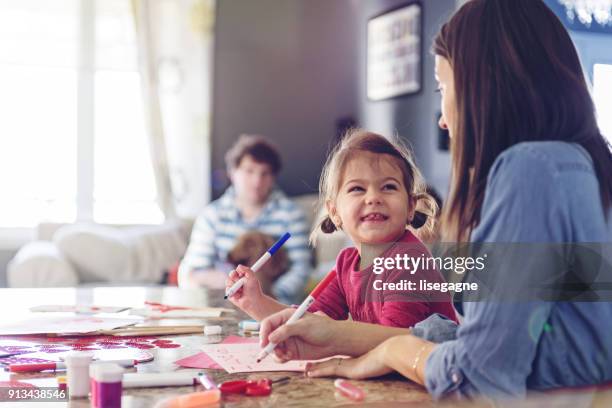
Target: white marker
<point>301,310</point>
<point>171,379</point>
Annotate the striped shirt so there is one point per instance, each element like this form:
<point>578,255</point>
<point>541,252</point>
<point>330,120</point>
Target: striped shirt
<point>219,225</point>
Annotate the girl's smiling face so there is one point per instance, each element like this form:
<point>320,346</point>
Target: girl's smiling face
<point>372,205</point>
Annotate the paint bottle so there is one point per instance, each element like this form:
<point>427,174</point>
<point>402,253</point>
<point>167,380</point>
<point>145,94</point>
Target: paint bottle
<point>61,383</point>
<point>212,330</point>
<point>77,370</point>
<point>249,325</point>
<point>107,385</point>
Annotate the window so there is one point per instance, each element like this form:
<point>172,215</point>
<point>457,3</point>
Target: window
<point>72,137</point>
<point>602,84</point>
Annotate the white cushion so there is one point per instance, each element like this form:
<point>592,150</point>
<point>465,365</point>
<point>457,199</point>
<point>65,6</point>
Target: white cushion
<point>40,264</point>
<point>131,255</point>
<point>97,252</point>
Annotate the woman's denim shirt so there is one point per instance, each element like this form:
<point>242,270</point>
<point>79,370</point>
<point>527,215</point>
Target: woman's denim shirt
<point>537,192</point>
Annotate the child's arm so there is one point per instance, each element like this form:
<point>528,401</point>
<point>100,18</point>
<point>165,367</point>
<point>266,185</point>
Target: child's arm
<point>250,298</point>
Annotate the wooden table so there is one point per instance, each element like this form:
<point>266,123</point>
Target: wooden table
<point>299,392</point>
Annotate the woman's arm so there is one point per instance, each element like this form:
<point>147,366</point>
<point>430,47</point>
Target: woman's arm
<point>405,354</point>
<point>314,337</point>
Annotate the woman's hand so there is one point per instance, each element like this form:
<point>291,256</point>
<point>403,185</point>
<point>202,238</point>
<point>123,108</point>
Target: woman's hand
<point>371,364</point>
<point>250,294</point>
<point>405,354</point>
<point>311,337</point>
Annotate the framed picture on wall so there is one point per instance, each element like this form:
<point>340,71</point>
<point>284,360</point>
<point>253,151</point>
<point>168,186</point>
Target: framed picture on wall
<point>394,46</point>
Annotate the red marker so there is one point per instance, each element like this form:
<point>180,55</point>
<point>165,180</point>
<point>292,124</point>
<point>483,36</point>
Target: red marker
<point>301,310</point>
<point>60,365</point>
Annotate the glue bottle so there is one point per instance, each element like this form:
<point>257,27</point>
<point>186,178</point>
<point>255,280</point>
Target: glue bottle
<point>77,370</point>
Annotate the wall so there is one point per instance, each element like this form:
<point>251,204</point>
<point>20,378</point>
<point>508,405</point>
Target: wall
<point>412,117</point>
<point>285,69</point>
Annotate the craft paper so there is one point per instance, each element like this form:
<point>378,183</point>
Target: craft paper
<point>78,308</point>
<point>180,313</point>
<point>59,354</point>
<point>242,358</point>
<point>199,360</point>
<point>203,360</point>
<point>64,324</point>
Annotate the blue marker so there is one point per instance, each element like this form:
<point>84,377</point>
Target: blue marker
<point>257,265</point>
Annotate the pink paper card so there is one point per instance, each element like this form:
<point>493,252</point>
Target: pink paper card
<point>203,360</point>
<point>242,358</point>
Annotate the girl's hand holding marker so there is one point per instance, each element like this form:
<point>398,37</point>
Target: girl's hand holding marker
<point>256,266</point>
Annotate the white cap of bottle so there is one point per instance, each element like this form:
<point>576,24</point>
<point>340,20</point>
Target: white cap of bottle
<point>108,373</point>
<point>77,370</point>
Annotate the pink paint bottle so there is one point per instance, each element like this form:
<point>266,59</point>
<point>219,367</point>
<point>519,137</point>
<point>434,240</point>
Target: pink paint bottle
<point>107,383</point>
<point>93,391</point>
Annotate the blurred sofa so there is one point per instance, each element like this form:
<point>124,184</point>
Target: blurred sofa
<point>81,254</point>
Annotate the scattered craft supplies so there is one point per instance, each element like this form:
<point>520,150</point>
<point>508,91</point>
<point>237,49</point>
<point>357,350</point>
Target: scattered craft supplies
<point>80,324</point>
<point>85,309</point>
<point>152,330</point>
<point>154,310</point>
<point>40,349</point>
<point>88,325</point>
<point>33,349</point>
<point>32,344</point>
<point>55,356</point>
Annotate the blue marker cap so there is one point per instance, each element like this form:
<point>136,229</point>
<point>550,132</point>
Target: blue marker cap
<point>279,243</point>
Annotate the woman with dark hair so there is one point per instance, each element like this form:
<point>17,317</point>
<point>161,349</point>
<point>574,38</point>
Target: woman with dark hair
<point>529,165</point>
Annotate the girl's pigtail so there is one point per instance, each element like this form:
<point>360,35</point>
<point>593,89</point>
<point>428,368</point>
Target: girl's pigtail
<point>425,217</point>
<point>327,225</point>
<point>419,220</point>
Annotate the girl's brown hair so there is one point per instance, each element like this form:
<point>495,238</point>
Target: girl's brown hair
<point>517,78</point>
<point>356,141</point>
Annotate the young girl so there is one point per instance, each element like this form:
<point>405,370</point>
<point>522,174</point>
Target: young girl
<point>370,188</point>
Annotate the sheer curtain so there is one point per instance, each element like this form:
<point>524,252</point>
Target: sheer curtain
<point>175,45</point>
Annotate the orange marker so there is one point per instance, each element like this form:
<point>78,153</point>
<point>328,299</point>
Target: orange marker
<point>193,400</point>
<point>349,390</point>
